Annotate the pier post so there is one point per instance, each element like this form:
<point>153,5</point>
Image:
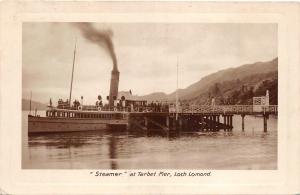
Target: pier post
<point>243,122</point>
<point>265,116</point>
<point>214,123</point>
<point>224,121</point>
<point>168,122</point>
<point>201,121</point>
<point>227,123</point>
<point>174,125</point>
<point>210,122</point>
<point>146,122</point>
<point>217,123</point>
<point>230,122</point>
<point>129,123</point>
<point>180,123</point>
<point>211,119</point>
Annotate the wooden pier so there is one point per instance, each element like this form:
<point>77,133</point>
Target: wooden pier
<point>197,118</point>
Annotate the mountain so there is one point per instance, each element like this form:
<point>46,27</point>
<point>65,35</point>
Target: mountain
<point>241,72</point>
<point>155,96</point>
<point>34,105</point>
<point>225,84</point>
<point>150,97</point>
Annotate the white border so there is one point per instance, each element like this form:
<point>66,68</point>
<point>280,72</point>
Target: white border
<point>15,180</point>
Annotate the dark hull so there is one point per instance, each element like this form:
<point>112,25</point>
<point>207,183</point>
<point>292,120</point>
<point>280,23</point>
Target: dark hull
<point>52,125</point>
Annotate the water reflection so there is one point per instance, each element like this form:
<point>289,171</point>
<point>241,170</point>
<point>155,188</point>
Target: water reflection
<point>113,141</point>
<point>64,140</point>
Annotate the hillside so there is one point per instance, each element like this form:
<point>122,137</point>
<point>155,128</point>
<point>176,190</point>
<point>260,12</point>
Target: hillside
<point>230,86</point>
<point>155,96</point>
<point>34,105</point>
<point>240,91</point>
<point>244,71</point>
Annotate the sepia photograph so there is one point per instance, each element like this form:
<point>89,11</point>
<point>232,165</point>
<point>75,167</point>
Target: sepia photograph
<point>149,95</point>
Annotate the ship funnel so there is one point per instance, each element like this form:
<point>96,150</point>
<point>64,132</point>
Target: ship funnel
<point>114,85</point>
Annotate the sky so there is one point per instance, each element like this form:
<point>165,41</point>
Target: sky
<point>147,56</point>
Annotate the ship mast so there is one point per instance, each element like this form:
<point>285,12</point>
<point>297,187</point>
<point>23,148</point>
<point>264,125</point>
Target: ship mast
<point>70,102</point>
<point>30,103</point>
<point>177,92</point>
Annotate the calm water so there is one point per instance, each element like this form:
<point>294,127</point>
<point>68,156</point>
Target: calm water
<point>251,149</point>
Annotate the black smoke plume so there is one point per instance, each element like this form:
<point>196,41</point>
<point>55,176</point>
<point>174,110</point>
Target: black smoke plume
<point>101,37</point>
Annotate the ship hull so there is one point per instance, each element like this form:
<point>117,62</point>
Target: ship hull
<point>52,125</point>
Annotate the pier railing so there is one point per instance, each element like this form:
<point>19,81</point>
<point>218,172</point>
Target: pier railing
<point>229,109</point>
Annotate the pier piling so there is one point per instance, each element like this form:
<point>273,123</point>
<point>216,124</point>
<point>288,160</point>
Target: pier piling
<point>227,123</point>
<point>146,122</point>
<point>224,122</point>
<point>180,123</point>
<point>230,122</point>
<point>168,121</point>
<point>243,122</point>
<point>265,116</point>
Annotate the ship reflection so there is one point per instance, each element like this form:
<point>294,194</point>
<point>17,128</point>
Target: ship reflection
<point>113,152</point>
<point>64,140</point>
